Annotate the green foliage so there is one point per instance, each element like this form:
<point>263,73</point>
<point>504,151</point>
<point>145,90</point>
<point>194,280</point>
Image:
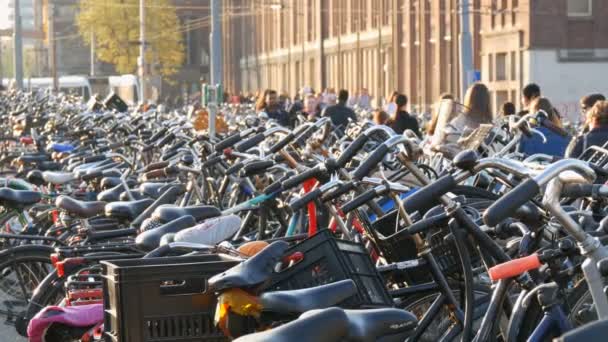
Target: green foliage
<point>115,24</point>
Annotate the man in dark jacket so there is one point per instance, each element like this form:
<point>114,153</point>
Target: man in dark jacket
<point>340,113</point>
<point>402,120</point>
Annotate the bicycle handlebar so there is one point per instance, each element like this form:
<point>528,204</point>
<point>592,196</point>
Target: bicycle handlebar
<point>515,267</point>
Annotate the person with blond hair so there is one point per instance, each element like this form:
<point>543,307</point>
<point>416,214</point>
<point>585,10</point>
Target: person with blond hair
<point>597,118</point>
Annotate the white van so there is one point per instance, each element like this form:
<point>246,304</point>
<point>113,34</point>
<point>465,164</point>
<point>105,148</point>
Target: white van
<point>125,86</point>
<point>67,84</point>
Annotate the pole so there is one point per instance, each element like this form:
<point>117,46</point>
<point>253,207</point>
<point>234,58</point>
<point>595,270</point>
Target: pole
<point>53,46</point>
<point>380,71</point>
<point>92,53</point>
<point>18,47</point>
<point>466,48</point>
<point>216,61</point>
<point>321,29</point>
<point>216,43</point>
<point>1,66</point>
<point>142,52</point>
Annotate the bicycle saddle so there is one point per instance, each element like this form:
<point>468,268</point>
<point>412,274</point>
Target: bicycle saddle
<point>127,210</point>
<point>80,208</point>
<point>328,325</point>
<point>387,324</point>
<point>251,272</point>
<point>58,178</point>
<point>49,166</point>
<point>150,239</point>
<point>300,301</point>
<point>153,190</point>
<point>18,198</point>
<point>135,194</point>
<point>111,195</point>
<point>108,182</point>
<point>211,232</point>
<point>35,177</point>
<point>32,158</point>
<point>57,147</point>
<point>168,212</point>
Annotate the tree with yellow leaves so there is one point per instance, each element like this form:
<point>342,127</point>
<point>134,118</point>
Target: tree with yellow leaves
<point>115,26</point>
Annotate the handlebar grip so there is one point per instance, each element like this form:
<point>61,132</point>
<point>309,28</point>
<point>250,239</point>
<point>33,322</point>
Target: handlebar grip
<point>302,137</point>
<point>249,143</point>
<point>304,200</point>
<point>228,142</point>
<point>234,168</point>
<point>345,188</point>
<point>359,201</point>
<point>168,155</point>
<point>514,268</point>
<point>370,162</point>
<point>212,161</point>
<point>255,167</point>
<point>157,135</point>
<point>277,185</point>
<point>352,150</point>
<point>165,140</point>
<point>579,190</point>
<point>426,197</point>
<point>301,178</point>
<point>507,204</point>
<point>93,159</point>
<point>282,143</point>
<point>178,145</point>
<point>156,166</point>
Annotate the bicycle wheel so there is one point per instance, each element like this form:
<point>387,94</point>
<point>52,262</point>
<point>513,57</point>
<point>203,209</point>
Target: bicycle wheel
<point>22,269</point>
<point>443,320</point>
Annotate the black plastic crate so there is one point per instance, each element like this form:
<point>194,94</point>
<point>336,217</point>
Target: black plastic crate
<point>162,299</point>
<point>327,260</point>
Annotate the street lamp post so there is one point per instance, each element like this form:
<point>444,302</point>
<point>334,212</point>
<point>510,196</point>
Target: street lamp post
<point>142,51</point>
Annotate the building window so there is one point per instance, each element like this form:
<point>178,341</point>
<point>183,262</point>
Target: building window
<point>490,68</point>
<point>502,96</point>
<point>579,8</point>
<point>501,66</point>
<point>513,66</point>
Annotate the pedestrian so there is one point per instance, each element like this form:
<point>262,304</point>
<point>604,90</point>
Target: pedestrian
<point>270,105</point>
<point>432,124</point>
<point>339,113</point>
<point>529,93</point>
<point>391,107</point>
<point>597,117</point>
<point>477,109</point>
<point>402,120</point>
<point>380,117</point>
<point>507,108</point>
<point>555,139</point>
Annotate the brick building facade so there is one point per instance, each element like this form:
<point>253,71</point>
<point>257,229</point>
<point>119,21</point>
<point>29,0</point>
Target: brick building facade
<point>413,46</point>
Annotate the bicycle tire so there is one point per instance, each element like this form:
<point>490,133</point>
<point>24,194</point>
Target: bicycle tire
<point>24,267</point>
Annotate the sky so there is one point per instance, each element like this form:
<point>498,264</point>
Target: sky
<point>4,23</point>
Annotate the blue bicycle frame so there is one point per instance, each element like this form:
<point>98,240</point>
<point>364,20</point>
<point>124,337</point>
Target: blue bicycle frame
<point>554,318</point>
